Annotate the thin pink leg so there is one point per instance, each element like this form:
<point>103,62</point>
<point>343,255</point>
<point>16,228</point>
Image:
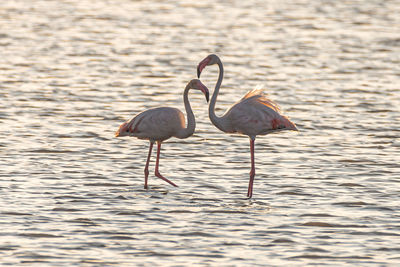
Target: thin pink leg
<point>146,169</point>
<point>158,159</point>
<point>253,170</point>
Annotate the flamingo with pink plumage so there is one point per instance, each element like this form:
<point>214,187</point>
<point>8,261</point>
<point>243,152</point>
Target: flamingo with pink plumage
<point>255,114</point>
<point>160,124</point>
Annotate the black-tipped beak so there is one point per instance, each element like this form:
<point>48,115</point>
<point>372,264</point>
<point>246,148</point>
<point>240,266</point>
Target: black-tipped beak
<point>201,66</point>
<point>198,71</point>
<point>203,89</point>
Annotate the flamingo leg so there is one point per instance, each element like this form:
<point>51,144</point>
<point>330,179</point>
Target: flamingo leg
<point>253,170</point>
<point>157,173</point>
<point>146,169</point>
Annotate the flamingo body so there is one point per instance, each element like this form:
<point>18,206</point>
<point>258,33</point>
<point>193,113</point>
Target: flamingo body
<point>156,124</point>
<point>160,124</point>
<point>255,114</point>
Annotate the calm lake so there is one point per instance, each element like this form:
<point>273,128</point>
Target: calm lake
<point>72,194</point>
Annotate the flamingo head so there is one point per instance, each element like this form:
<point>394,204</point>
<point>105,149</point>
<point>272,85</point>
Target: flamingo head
<point>123,130</point>
<point>209,60</point>
<point>197,84</point>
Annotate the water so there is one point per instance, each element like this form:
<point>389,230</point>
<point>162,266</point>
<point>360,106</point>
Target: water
<point>72,194</point>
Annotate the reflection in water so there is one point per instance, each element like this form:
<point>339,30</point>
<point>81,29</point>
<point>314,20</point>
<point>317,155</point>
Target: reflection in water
<point>73,194</point>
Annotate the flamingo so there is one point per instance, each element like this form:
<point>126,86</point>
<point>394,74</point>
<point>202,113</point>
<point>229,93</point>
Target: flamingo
<point>159,124</point>
<point>254,114</point>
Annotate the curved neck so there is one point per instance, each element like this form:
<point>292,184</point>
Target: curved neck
<point>217,121</point>
<point>191,122</point>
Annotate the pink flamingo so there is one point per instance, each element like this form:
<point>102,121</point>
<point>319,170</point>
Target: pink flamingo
<point>253,115</point>
<point>159,124</point>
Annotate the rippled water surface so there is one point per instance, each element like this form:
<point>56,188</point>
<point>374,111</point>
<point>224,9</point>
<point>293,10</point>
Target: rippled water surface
<point>72,193</point>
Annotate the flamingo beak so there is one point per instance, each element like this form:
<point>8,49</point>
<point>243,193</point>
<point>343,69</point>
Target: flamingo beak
<point>204,90</point>
<point>198,72</point>
<point>202,65</point>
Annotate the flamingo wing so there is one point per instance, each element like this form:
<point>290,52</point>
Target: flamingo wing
<point>154,124</point>
<point>256,114</point>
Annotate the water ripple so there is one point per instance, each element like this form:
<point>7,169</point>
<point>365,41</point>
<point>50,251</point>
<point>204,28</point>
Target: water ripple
<point>72,194</point>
